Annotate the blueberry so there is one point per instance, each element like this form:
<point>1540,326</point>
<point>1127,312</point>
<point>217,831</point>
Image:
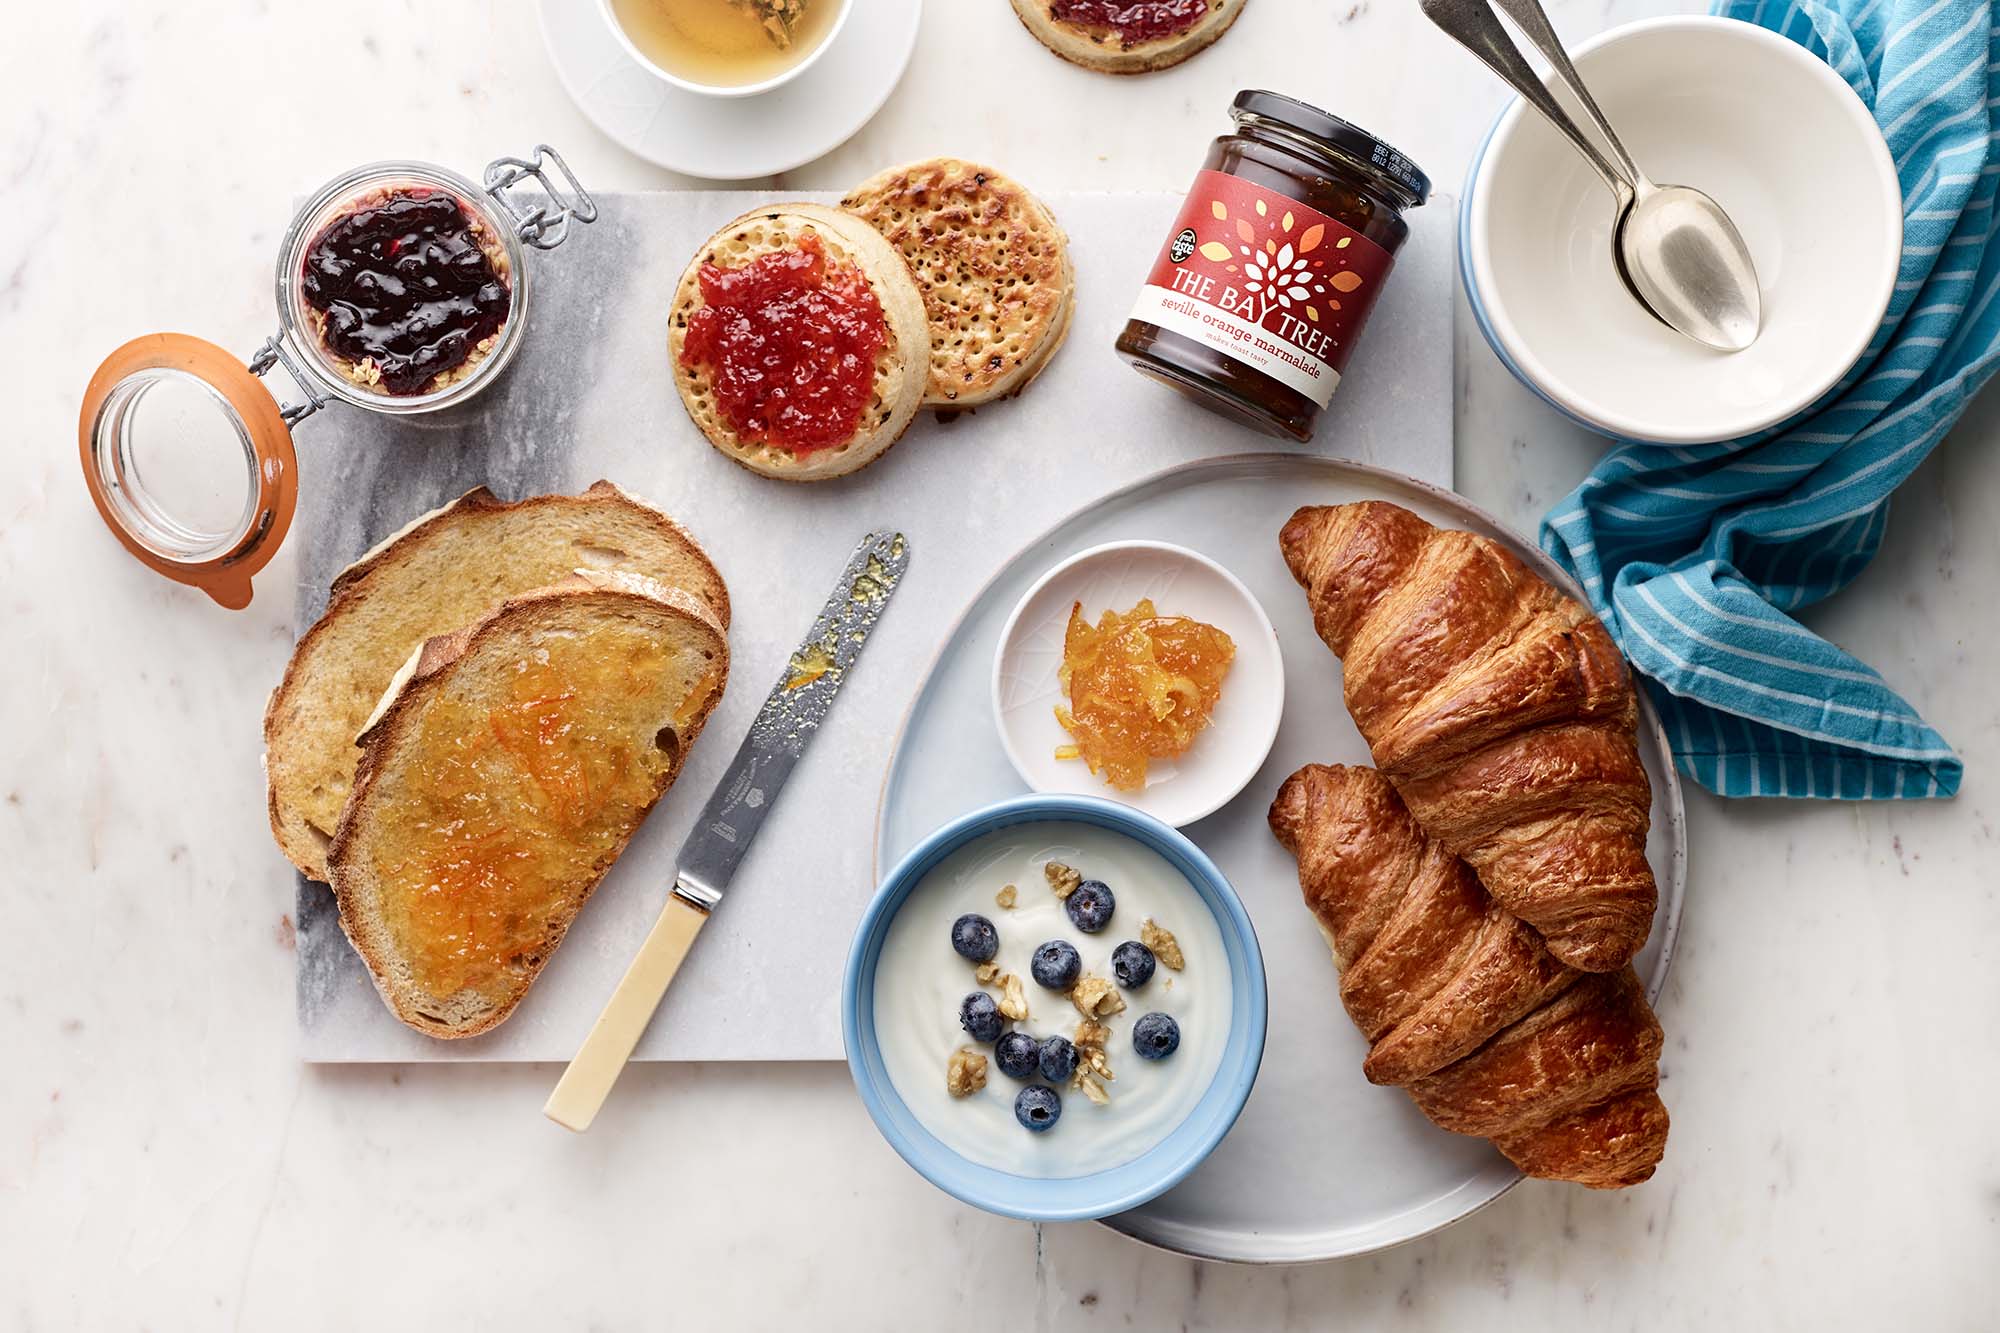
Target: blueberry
<point>1056,965</point>
<point>973,936</point>
<point>1132,963</point>
<point>1090,907</point>
<point>1155,1036</point>
<point>980,1017</point>
<point>1017,1054</point>
<point>1058,1059</point>
<point>1038,1108</point>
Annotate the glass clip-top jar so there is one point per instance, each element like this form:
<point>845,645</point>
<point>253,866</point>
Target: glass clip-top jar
<point>402,288</point>
<point>1269,272</point>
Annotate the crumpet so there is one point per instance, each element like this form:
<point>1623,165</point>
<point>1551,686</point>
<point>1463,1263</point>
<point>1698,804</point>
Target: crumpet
<point>1082,31</point>
<point>754,417</point>
<point>993,266</point>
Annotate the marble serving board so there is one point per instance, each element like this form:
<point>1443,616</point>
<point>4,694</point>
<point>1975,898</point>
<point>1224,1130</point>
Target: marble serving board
<point>590,396</point>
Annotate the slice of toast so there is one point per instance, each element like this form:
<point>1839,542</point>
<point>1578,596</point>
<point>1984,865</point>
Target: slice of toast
<point>901,367</point>
<point>994,268</point>
<point>444,571</point>
<point>1099,47</point>
<point>502,776</point>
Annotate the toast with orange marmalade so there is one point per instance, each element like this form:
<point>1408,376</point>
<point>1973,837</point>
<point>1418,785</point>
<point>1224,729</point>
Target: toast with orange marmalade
<point>500,778</point>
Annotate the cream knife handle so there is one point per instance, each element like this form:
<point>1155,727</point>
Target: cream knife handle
<point>587,1082</point>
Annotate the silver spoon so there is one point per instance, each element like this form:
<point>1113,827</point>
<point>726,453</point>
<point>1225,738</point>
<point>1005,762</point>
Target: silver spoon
<point>1677,251</point>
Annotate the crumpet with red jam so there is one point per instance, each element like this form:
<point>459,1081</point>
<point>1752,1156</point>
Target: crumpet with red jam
<point>1127,36</point>
<point>799,342</point>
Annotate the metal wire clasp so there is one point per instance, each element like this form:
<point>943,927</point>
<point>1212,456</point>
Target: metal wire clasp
<point>274,352</point>
<point>544,225</point>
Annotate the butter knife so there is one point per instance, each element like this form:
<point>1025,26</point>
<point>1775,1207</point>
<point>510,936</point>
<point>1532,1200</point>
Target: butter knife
<point>790,717</point>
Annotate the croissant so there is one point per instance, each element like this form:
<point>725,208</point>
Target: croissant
<point>1499,708</point>
<point>1462,1005</point>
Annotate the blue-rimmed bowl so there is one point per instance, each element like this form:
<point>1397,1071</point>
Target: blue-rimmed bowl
<point>1101,1193</point>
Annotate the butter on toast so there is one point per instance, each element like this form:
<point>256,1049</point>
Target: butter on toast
<point>504,773</point>
<point>993,265</point>
<point>441,573</point>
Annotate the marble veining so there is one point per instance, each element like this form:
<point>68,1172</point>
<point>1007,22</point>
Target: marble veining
<point>166,1159</point>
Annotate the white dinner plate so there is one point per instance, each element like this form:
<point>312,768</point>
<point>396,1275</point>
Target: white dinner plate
<point>1322,1164</point>
<point>732,138</point>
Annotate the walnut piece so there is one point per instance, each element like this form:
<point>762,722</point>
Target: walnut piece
<point>1093,1065</point>
<point>986,973</point>
<point>966,1073</point>
<point>1163,944</point>
<point>1013,1003</point>
<point>1094,997</point>
<point>1062,879</point>
<point>1005,897</point>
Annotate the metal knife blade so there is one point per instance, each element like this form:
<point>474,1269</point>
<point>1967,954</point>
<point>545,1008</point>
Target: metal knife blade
<point>791,714</point>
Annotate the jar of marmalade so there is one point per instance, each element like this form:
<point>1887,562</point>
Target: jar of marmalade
<point>1268,274</point>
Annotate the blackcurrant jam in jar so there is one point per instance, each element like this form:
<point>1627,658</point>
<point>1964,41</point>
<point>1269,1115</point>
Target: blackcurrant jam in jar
<point>1268,274</point>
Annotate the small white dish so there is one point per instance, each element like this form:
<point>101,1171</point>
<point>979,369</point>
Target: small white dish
<point>777,80</point>
<point>733,138</point>
<point>1026,687</point>
<point>1780,141</point>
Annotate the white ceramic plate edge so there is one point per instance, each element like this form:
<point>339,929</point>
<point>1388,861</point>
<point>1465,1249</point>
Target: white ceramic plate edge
<point>820,134</point>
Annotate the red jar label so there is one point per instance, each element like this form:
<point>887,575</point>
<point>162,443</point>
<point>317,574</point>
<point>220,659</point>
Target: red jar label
<point>1265,280</point>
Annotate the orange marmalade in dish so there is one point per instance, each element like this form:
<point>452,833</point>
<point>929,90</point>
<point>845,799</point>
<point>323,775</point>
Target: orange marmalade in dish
<point>522,788</point>
<point>1141,686</point>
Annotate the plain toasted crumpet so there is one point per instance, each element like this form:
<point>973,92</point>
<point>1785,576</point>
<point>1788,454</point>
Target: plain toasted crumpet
<point>901,366</point>
<point>441,573</point>
<point>505,771</point>
<point>1098,46</point>
<point>994,268</point>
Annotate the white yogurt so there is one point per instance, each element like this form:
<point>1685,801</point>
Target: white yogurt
<point>920,981</point>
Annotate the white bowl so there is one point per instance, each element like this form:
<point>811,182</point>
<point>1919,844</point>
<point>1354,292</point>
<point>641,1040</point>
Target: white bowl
<point>777,80</point>
<point>1779,140</point>
<point>1026,688</point>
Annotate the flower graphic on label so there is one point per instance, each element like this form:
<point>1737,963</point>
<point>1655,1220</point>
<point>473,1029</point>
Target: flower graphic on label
<point>1275,269</point>
<point>1283,276</point>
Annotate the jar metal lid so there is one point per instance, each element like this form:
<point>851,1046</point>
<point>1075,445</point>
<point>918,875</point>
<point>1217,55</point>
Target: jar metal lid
<point>1348,140</point>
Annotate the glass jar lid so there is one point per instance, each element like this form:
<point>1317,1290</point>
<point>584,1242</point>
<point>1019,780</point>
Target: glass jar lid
<point>190,461</point>
<point>1329,133</point>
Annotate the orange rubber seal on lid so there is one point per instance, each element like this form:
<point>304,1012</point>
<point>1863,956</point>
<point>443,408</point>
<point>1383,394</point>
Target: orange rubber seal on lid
<point>225,574</point>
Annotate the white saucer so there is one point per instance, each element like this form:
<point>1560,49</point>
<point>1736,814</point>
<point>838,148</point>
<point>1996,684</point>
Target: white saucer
<point>1026,689</point>
<point>732,138</point>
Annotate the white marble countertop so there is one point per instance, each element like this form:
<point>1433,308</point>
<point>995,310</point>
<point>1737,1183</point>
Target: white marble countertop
<point>166,1160</point>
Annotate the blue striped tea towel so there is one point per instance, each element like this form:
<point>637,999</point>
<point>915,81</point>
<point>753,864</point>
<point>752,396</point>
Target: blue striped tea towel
<point>1694,556</point>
